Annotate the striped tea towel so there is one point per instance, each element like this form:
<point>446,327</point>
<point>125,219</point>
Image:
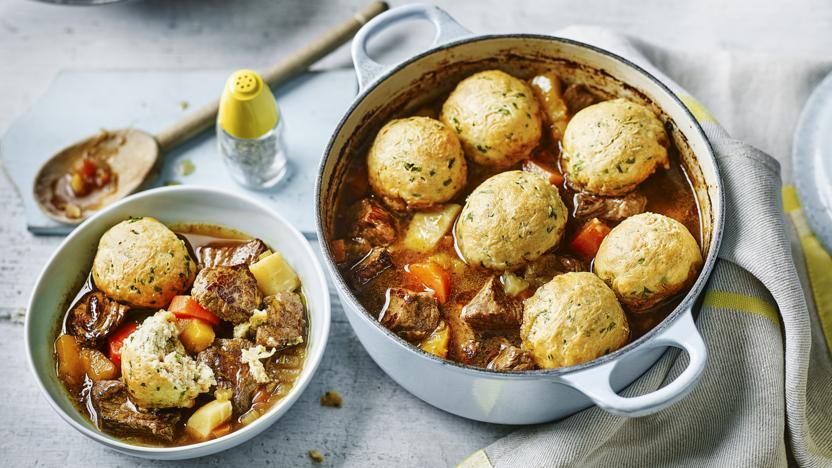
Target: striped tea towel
<point>765,397</point>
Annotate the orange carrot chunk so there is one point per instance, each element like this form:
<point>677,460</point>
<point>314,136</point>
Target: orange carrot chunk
<point>116,341</point>
<point>589,238</point>
<point>433,277</point>
<point>188,307</point>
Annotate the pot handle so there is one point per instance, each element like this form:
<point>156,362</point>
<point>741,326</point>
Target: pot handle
<point>367,69</point>
<point>595,382</point>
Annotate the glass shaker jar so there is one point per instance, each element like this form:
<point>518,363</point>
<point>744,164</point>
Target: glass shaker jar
<point>250,132</point>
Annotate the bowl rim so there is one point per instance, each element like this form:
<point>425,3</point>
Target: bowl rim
<point>717,210</point>
<point>234,438</point>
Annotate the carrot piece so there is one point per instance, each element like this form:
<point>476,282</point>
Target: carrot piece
<point>221,430</point>
<point>433,277</point>
<point>86,168</point>
<point>116,341</point>
<point>339,250</point>
<point>544,169</point>
<point>188,307</point>
<point>589,238</point>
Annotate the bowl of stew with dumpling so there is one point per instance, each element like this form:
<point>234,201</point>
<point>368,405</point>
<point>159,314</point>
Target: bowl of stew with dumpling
<point>178,322</point>
<point>519,225</point>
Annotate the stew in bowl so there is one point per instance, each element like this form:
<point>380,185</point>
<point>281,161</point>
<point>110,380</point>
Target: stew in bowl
<point>179,334</point>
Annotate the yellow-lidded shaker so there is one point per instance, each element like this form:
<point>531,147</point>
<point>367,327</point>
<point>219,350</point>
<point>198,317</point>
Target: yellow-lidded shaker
<point>250,131</point>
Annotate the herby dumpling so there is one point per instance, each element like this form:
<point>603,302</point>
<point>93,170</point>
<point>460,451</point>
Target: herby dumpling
<point>141,262</point>
<point>510,219</point>
<point>611,147</point>
<point>648,258</point>
<point>496,116</point>
<point>574,318</point>
<point>416,163</point>
<point>157,370</point>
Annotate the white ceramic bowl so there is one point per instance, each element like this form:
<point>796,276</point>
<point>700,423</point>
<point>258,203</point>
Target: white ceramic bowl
<point>66,270</point>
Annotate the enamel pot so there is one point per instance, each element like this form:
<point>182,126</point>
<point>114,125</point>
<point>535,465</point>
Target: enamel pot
<point>540,395</point>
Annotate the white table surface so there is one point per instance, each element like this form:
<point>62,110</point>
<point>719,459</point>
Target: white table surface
<point>380,424</point>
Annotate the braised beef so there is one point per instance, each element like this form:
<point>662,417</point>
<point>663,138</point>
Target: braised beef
<point>369,267</point>
<point>212,255</point>
<point>285,323</point>
<point>229,292</point>
<point>411,315</point>
<point>371,221</point>
<point>512,358</point>
<point>224,358</point>
<point>578,96</point>
<point>609,208</point>
<point>471,346</point>
<point>492,309</point>
<point>94,317</point>
<point>115,413</point>
<point>546,267</point>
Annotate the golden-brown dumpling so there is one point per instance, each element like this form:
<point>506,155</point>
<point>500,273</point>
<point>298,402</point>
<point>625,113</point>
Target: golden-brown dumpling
<point>496,116</point>
<point>611,147</point>
<point>574,318</point>
<point>648,258</point>
<point>415,163</point>
<point>142,263</point>
<point>510,219</point>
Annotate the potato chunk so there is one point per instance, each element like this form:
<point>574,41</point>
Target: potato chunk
<point>97,366</point>
<point>437,342</point>
<point>196,335</point>
<point>207,418</point>
<point>274,275</point>
<point>427,228</point>
<point>70,367</point>
<point>513,284</point>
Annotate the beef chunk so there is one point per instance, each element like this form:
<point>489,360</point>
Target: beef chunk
<point>115,413</point>
<point>512,358</point>
<point>212,255</point>
<point>224,358</point>
<point>609,208</point>
<point>369,220</point>
<point>95,316</point>
<point>470,346</point>
<point>411,315</point>
<point>285,323</point>
<point>578,96</point>
<point>492,309</point>
<point>229,292</point>
<point>369,267</point>
<point>546,267</point>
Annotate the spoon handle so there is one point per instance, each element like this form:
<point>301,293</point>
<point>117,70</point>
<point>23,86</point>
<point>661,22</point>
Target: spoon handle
<point>275,75</point>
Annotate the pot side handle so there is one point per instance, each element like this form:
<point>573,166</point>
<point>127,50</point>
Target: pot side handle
<point>595,382</point>
<point>367,69</point>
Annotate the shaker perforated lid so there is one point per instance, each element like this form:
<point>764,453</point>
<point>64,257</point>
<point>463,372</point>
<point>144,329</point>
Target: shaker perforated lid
<point>247,106</point>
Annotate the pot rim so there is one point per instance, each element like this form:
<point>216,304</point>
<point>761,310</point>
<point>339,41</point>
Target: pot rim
<point>717,210</point>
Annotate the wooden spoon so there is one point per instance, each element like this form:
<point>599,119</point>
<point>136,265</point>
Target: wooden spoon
<point>132,154</point>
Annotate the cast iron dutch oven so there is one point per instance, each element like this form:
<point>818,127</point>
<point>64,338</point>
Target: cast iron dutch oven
<point>539,395</point>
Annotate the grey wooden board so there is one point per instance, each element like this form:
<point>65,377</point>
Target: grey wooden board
<point>81,103</point>
<point>388,427</point>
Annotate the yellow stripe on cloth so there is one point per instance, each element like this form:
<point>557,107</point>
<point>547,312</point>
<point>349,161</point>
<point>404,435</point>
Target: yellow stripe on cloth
<point>750,304</point>
<point>477,459</point>
<point>696,108</point>
<point>818,262</point>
